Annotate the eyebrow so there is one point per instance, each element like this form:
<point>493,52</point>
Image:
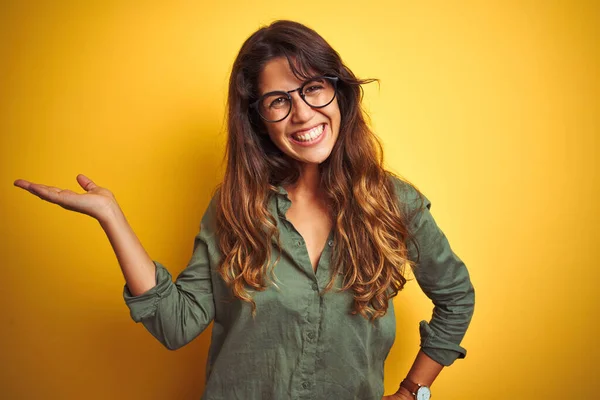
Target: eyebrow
<point>316,77</point>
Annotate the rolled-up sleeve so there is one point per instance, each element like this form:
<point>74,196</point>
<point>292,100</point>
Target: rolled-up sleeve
<point>443,277</point>
<point>177,312</point>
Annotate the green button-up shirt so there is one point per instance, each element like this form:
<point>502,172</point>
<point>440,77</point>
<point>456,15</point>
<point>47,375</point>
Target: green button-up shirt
<point>302,344</point>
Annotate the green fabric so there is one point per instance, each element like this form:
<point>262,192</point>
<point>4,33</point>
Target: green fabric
<point>302,345</point>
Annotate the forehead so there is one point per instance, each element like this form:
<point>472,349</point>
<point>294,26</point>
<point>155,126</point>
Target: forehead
<point>277,75</point>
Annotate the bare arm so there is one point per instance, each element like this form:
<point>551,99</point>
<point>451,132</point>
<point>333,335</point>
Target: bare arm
<point>423,371</point>
<point>137,266</point>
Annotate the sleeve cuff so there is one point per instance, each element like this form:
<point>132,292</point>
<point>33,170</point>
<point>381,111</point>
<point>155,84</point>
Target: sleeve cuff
<point>146,304</point>
<point>439,349</point>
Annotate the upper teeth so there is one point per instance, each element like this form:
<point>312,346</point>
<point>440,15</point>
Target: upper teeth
<point>312,134</point>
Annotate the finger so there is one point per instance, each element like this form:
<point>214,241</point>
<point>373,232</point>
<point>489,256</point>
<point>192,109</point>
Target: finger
<point>29,186</point>
<point>22,183</point>
<point>86,183</point>
<point>64,198</point>
<point>49,193</point>
<point>37,187</point>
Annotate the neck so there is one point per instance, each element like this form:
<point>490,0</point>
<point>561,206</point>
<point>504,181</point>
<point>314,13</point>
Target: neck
<point>307,185</point>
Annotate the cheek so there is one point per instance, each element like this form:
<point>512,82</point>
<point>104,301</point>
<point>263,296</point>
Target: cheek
<point>276,132</point>
<point>336,119</point>
<point>335,113</point>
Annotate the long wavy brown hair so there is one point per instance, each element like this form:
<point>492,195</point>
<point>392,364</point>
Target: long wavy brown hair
<point>370,231</point>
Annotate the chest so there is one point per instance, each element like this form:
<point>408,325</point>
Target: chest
<point>313,223</point>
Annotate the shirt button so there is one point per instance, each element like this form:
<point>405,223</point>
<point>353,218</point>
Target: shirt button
<point>315,286</point>
<point>311,335</point>
<point>330,243</point>
<point>299,243</point>
<point>305,385</point>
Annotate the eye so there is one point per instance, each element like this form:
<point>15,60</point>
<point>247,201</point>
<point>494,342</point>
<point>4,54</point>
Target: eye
<point>278,102</point>
<point>313,87</point>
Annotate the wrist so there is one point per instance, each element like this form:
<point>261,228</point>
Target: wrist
<point>110,214</point>
<point>417,391</point>
<point>404,394</point>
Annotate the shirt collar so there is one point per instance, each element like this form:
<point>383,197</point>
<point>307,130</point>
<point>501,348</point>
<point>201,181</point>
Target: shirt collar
<point>283,202</point>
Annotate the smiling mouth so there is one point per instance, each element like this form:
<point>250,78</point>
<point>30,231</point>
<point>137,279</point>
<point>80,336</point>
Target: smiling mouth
<point>310,136</point>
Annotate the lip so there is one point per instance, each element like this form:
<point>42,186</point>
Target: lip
<point>306,130</point>
<point>308,144</point>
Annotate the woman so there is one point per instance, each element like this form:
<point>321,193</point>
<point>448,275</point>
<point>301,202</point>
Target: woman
<point>303,245</point>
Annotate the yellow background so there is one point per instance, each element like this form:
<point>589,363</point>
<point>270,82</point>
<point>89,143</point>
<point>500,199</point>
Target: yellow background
<point>490,107</point>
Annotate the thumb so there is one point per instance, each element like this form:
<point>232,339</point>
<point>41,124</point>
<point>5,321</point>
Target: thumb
<point>85,182</point>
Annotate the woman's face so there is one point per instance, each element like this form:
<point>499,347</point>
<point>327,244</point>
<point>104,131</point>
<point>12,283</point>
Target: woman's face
<point>307,134</point>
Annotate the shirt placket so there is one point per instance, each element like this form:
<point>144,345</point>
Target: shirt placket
<point>303,381</point>
<point>314,318</point>
<point>305,377</point>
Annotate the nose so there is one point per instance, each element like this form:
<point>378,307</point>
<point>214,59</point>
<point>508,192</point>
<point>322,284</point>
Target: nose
<point>301,112</point>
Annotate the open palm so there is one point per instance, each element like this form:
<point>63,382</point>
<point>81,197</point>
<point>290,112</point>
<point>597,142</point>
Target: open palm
<point>96,202</point>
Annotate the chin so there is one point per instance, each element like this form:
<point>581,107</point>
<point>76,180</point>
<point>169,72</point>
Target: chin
<point>313,156</point>
<point>314,160</point>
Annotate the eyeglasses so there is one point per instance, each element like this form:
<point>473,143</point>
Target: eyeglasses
<point>317,92</point>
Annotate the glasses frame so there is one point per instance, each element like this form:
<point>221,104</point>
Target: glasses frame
<point>300,90</point>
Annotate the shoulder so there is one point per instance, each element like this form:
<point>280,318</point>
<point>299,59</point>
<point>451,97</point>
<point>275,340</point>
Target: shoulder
<point>208,225</point>
<point>410,199</point>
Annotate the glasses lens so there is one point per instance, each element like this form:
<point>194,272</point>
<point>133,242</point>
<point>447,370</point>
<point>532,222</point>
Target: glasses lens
<point>318,92</point>
<point>274,106</point>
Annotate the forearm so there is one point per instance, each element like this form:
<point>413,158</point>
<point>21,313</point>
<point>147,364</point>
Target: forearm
<point>423,371</point>
<point>136,265</point>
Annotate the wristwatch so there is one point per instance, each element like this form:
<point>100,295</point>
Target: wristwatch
<point>420,392</point>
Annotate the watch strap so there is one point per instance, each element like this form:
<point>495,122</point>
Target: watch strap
<point>409,385</point>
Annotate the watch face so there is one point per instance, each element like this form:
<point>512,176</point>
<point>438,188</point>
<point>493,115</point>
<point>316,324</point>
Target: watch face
<point>423,393</point>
